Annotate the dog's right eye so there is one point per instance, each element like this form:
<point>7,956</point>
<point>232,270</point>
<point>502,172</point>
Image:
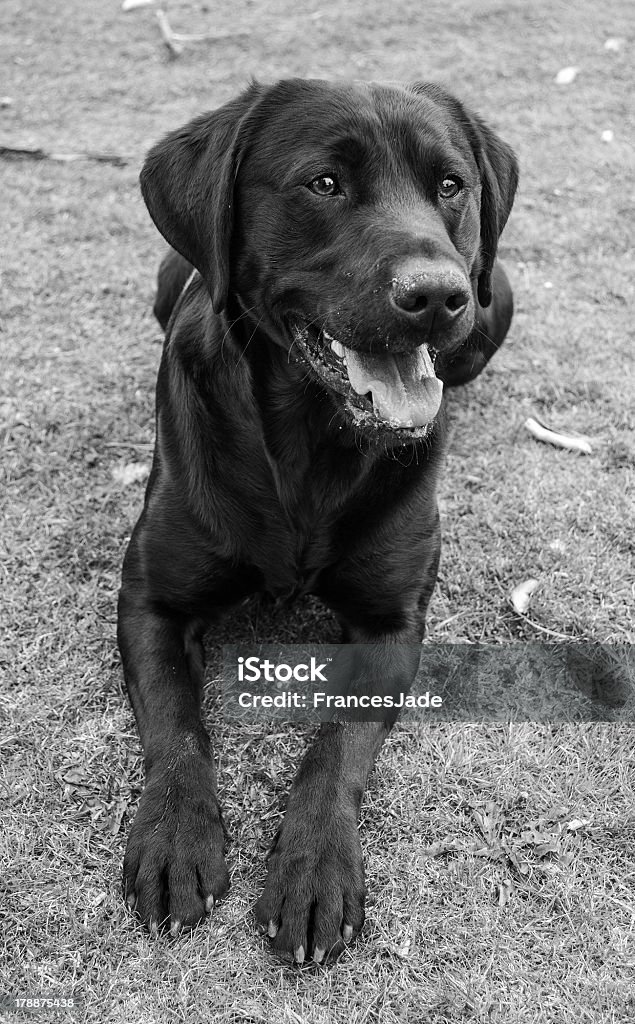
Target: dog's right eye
<point>450,186</point>
<point>325,185</point>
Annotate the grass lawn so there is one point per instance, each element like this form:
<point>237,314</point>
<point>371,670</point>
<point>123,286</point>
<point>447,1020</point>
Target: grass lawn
<point>500,858</point>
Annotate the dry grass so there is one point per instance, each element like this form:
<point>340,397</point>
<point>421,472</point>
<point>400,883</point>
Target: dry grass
<point>500,859</point>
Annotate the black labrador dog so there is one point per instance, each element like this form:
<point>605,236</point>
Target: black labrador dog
<point>344,243</point>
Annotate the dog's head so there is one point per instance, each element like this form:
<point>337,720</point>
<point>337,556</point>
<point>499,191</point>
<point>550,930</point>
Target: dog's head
<point>357,224</point>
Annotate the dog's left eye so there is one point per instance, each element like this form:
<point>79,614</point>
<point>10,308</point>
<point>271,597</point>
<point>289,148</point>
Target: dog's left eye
<point>325,185</point>
<point>450,186</point>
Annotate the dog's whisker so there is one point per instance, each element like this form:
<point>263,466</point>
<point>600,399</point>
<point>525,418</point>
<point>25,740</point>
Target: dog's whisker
<point>231,327</point>
<point>251,337</point>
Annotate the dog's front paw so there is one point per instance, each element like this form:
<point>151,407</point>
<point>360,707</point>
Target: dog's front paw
<point>313,902</point>
<point>174,868</point>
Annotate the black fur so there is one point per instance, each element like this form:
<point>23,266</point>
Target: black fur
<point>265,478</point>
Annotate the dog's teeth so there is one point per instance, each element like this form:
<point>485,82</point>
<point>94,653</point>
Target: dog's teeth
<point>338,349</point>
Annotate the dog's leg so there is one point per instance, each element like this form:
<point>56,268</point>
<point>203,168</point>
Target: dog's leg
<point>313,900</point>
<point>314,895</point>
<point>174,273</point>
<point>174,867</point>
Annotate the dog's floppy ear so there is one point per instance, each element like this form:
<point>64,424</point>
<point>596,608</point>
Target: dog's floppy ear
<point>187,183</point>
<point>498,168</point>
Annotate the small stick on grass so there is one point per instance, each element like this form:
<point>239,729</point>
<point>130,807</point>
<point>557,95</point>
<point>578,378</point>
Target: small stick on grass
<point>173,46</point>
<point>36,153</point>
<point>175,40</point>
<point>543,433</point>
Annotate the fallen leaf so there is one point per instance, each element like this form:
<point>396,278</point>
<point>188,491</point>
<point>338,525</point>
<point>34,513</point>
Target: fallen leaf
<point>532,837</point>
<point>577,823</point>
<point>76,782</point>
<point>555,813</point>
<point>115,815</point>
<point>545,848</point>
<point>130,473</point>
<point>505,889</point>
<point>403,951</point>
<point>487,819</point>
<point>566,75</point>
<point>491,852</point>
<point>75,776</point>
<point>558,546</point>
<point>521,865</point>
<point>442,846</point>
<point>521,595</point>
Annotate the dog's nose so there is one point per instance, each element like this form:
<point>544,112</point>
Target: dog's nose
<point>440,291</point>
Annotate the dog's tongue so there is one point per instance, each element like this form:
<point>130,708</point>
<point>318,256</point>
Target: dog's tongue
<point>404,388</point>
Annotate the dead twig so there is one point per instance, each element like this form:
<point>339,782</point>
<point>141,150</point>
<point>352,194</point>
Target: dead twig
<point>140,446</point>
<point>173,46</point>
<point>176,41</point>
<point>36,153</point>
<point>558,438</point>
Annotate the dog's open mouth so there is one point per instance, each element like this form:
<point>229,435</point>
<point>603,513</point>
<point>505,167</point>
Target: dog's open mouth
<point>397,391</point>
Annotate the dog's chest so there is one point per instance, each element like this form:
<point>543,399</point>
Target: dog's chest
<point>308,501</point>
<point>300,542</point>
